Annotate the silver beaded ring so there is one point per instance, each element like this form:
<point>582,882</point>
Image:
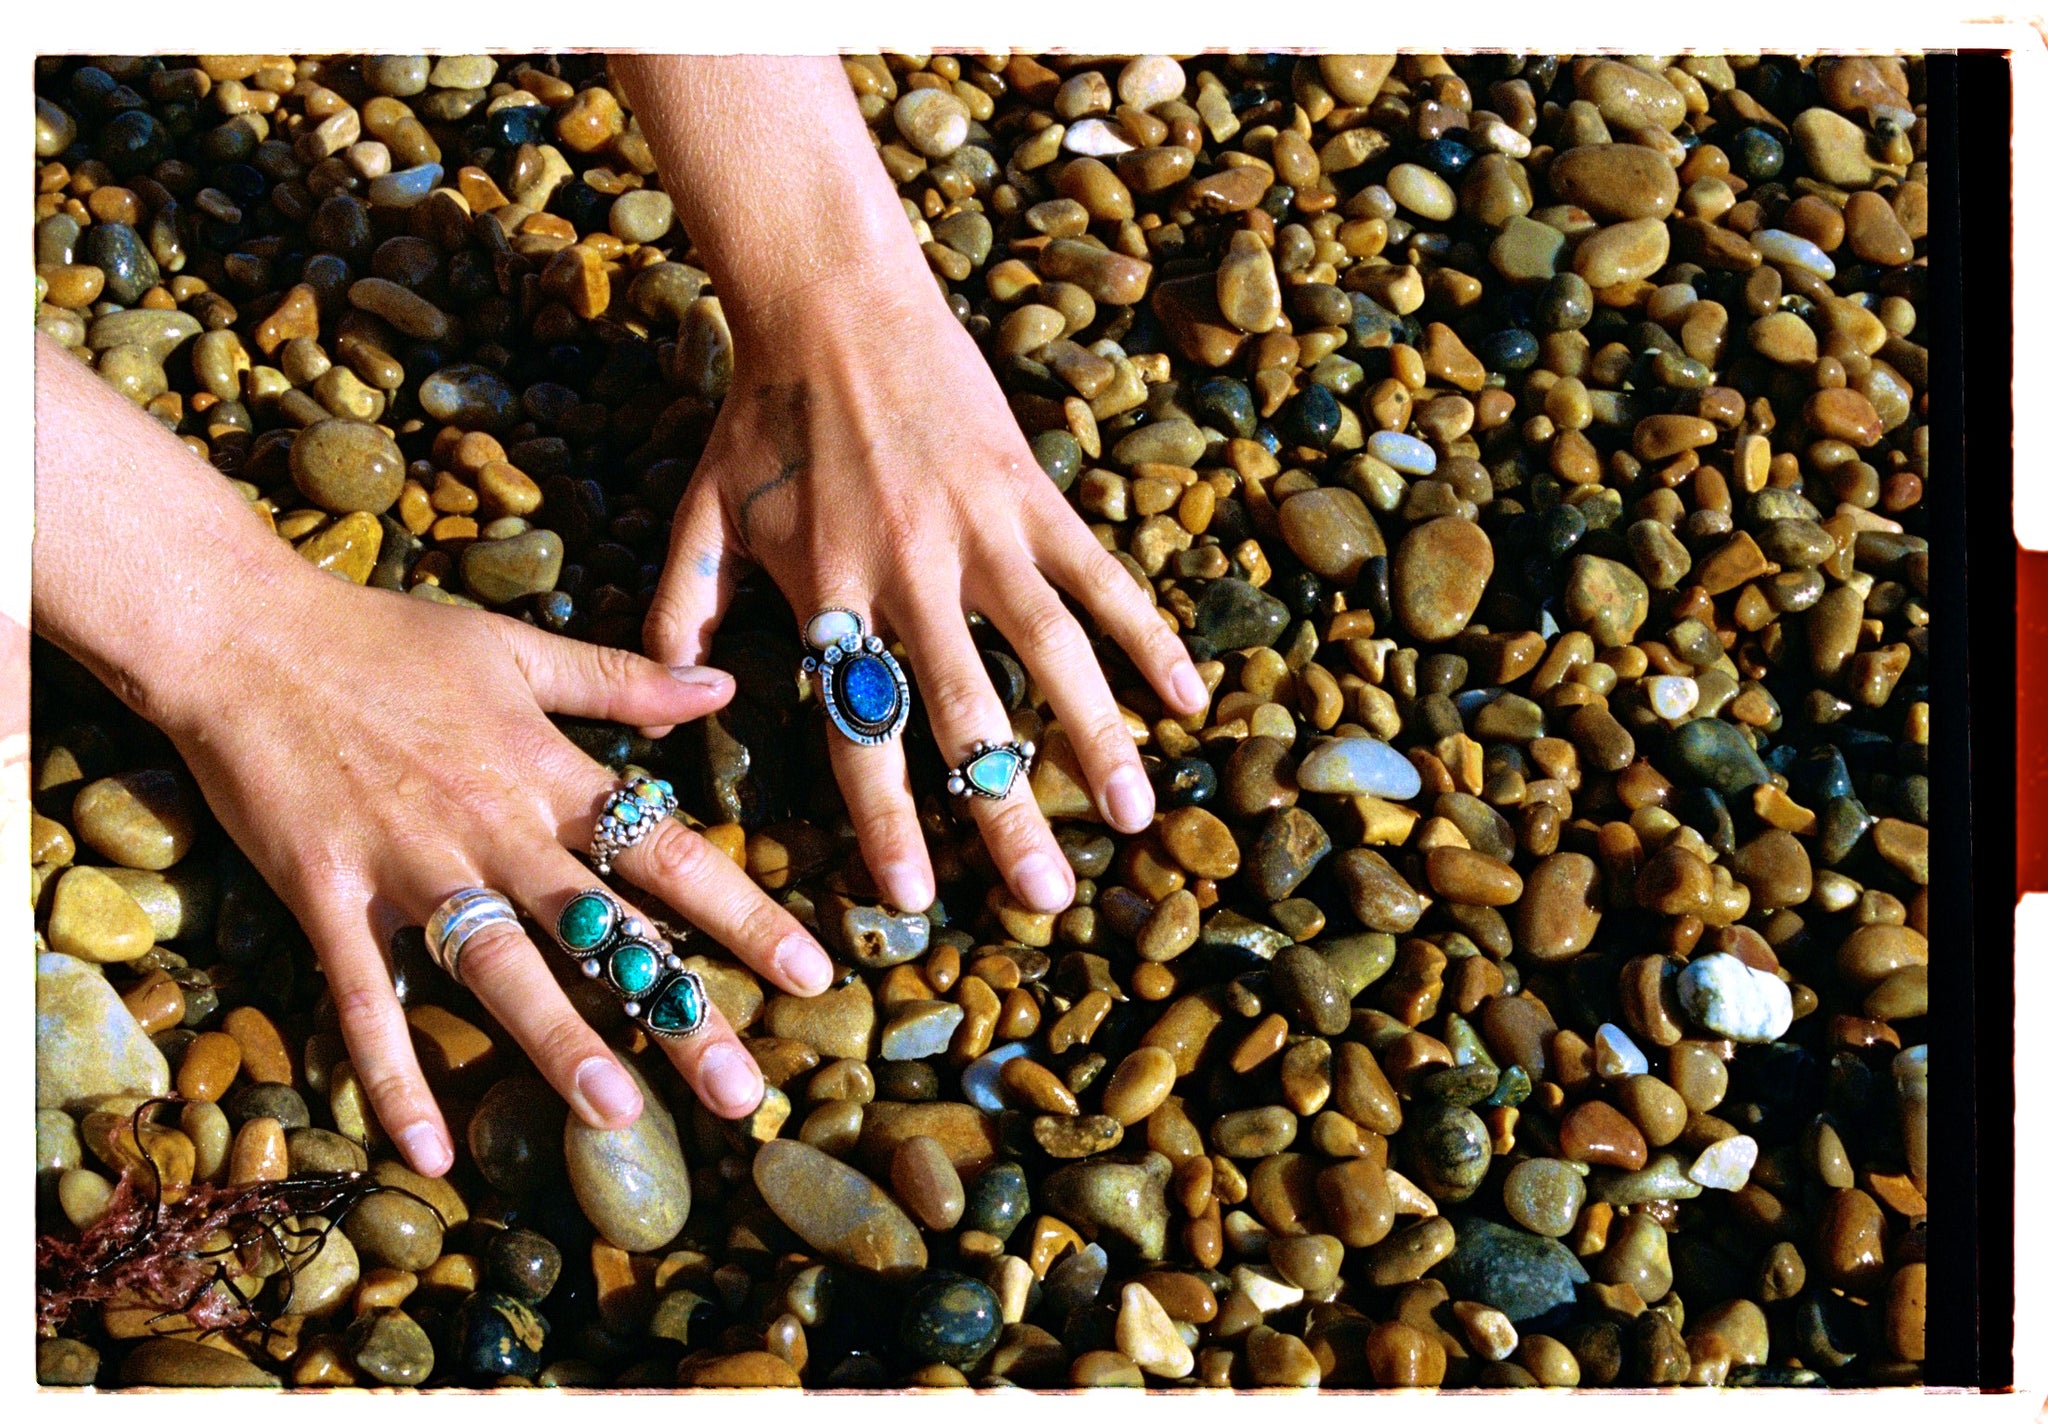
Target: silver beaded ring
<point>630,812</point>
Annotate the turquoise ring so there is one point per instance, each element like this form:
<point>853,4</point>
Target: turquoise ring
<point>991,769</point>
<point>636,963</point>
<point>630,812</point>
<point>863,688</point>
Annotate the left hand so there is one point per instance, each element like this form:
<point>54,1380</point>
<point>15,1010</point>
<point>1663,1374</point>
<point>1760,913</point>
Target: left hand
<point>866,458</point>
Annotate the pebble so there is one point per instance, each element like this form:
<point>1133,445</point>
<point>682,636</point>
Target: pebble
<point>632,1183</point>
<point>1616,182</point>
<point>1729,999</point>
<point>88,1045</point>
<point>951,1320</point>
<point>94,919</point>
<point>498,571</point>
<point>390,1346</point>
<point>1358,766</point>
<point>1725,1165</point>
<point>842,1214</point>
<point>1146,1336</point>
<point>145,820</point>
<point>1544,1195</point>
<point>1405,453</point>
<point>919,1030</point>
<point>926,1182</point>
<point>1523,1276</point>
<point>1332,532</point>
<point>347,466</point>
<point>1438,574</point>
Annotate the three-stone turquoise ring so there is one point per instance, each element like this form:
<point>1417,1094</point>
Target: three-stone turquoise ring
<point>991,769</point>
<point>635,808</point>
<point>610,945</point>
<point>863,688</point>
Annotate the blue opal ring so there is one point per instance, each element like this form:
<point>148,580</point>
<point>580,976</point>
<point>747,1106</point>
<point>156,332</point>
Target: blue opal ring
<point>863,688</point>
<point>639,805</point>
<point>991,769</point>
<point>636,963</point>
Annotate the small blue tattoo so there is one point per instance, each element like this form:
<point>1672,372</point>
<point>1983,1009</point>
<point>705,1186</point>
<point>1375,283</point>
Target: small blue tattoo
<point>707,564</point>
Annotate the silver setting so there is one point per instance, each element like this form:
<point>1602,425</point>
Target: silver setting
<point>456,921</point>
<point>614,833</point>
<point>828,663</point>
<point>958,782</point>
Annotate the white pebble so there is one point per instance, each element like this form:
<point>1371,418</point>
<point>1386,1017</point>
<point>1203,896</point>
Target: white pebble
<point>978,1079</point>
<point>1358,766</point>
<point>1268,1293</point>
<point>1726,1164</point>
<point>1499,136</point>
<point>1093,138</point>
<point>1406,453</point>
<point>1671,697</point>
<point>1729,999</point>
<point>1151,79</point>
<point>1615,1054</point>
<point>1777,245</point>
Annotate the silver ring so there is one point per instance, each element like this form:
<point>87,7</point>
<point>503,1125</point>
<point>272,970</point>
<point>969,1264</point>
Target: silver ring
<point>630,812</point>
<point>611,946</point>
<point>457,919</point>
<point>862,686</point>
<point>991,769</point>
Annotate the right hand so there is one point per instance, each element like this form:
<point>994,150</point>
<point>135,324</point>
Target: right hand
<point>386,752</point>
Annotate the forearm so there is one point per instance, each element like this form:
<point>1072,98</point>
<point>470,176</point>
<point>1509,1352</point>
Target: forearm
<point>777,182</point>
<point>146,562</point>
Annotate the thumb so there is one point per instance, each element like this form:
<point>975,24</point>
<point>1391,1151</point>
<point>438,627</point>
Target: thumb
<point>697,583</point>
<point>611,684</point>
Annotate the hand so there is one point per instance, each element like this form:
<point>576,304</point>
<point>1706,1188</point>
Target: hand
<point>389,752</point>
<point>867,459</point>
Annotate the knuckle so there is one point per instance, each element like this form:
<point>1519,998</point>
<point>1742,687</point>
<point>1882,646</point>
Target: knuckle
<point>675,853</point>
<point>490,952</point>
<point>1047,627</point>
<point>1013,821</point>
<point>956,697</point>
<point>563,1041</point>
<point>393,1091</point>
<point>1102,741</point>
<point>363,1007</point>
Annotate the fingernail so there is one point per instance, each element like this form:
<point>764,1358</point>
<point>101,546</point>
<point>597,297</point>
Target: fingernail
<point>1188,687</point>
<point>607,1091</point>
<point>1128,798</point>
<point>906,888</point>
<point>1041,884</point>
<point>701,676</point>
<point>729,1080</point>
<point>426,1149</point>
<point>803,963</point>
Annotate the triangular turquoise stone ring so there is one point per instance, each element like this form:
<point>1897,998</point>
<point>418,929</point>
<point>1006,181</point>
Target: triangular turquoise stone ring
<point>991,769</point>
<point>610,945</point>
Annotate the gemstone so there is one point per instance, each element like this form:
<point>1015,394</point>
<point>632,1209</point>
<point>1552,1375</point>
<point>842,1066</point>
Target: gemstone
<point>867,690</point>
<point>626,812</point>
<point>829,627</point>
<point>679,1007</point>
<point>649,792</point>
<point>586,921</point>
<point>633,968</point>
<point>994,772</point>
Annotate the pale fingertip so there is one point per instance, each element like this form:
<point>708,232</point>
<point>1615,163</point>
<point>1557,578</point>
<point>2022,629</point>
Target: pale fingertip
<point>711,679</point>
<point>800,960</point>
<point>907,888</point>
<point>728,1079</point>
<point>1041,884</point>
<point>609,1099</point>
<point>1127,799</point>
<point>426,1148</point>
<point>1189,691</point>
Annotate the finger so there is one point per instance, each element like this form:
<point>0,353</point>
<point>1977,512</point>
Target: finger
<point>504,969</point>
<point>704,885</point>
<point>374,1027</point>
<point>1074,561</point>
<point>1053,646</point>
<point>964,711</point>
<point>590,680</point>
<point>720,1072</point>
<point>875,782</point>
<point>698,581</point>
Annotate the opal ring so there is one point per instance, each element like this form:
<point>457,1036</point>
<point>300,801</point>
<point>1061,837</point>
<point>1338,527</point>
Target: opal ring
<point>457,919</point>
<point>862,686</point>
<point>991,769</point>
<point>638,964</point>
<point>638,805</point>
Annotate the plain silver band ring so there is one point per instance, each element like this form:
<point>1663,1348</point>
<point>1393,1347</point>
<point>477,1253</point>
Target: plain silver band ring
<point>458,918</point>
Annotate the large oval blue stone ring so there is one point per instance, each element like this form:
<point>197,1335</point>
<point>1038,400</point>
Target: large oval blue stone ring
<point>638,965</point>
<point>863,688</point>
